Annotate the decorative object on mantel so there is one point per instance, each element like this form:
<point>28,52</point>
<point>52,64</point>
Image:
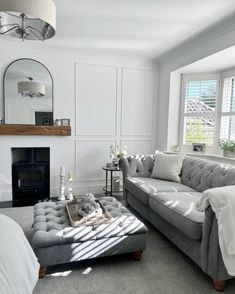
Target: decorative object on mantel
<point>116,154</point>
<point>27,19</point>
<point>31,89</point>
<point>62,183</point>
<point>26,130</point>
<point>198,147</point>
<point>62,122</point>
<point>65,122</point>
<point>19,75</point>
<point>228,147</point>
<point>70,188</point>
<point>57,122</point>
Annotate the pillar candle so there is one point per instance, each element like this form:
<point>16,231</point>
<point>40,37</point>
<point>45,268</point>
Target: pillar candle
<point>70,176</point>
<point>62,170</point>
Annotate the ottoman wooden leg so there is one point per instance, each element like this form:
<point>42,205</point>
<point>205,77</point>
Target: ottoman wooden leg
<point>137,255</point>
<point>42,272</point>
<point>219,285</point>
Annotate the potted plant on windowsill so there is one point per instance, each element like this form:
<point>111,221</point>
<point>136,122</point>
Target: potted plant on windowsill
<point>228,147</point>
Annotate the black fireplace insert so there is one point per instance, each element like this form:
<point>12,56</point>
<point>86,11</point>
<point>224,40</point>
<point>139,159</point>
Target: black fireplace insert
<point>30,179</point>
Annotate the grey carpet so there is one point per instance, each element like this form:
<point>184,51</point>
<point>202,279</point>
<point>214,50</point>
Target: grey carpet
<point>163,269</point>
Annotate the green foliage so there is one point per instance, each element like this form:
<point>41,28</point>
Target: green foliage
<point>228,145</point>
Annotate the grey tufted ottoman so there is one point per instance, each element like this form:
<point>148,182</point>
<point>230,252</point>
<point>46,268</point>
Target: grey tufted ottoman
<point>55,241</point>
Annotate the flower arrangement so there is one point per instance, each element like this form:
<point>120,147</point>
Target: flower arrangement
<point>228,145</point>
<point>116,153</point>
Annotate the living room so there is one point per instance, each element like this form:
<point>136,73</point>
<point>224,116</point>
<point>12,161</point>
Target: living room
<point>118,70</point>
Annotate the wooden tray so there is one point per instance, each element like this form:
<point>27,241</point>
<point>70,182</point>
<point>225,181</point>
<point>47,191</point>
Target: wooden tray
<point>76,220</point>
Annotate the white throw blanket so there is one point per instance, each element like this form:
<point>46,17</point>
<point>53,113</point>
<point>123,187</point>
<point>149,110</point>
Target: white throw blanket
<point>222,201</point>
<point>18,264</point>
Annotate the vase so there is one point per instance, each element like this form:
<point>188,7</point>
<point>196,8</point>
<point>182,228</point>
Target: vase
<point>228,153</point>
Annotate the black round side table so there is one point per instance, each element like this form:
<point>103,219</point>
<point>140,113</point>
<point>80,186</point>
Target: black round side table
<point>109,188</point>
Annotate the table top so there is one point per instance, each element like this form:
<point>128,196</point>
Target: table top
<point>111,168</point>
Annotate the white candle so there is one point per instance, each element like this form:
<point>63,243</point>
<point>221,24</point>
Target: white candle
<point>62,170</point>
<point>70,176</point>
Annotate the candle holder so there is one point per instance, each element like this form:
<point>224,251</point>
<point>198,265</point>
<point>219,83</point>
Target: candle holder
<point>62,187</point>
<point>70,190</point>
<point>69,185</point>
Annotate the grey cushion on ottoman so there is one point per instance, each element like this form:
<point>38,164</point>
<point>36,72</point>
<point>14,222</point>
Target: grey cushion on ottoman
<point>55,241</point>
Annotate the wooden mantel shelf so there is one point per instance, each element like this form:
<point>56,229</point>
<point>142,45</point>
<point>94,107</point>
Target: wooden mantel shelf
<point>25,130</point>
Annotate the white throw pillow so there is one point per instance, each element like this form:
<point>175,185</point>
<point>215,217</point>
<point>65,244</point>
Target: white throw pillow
<point>167,167</point>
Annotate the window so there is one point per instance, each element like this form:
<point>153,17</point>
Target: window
<point>208,114</point>
<point>200,100</point>
<point>227,128</point>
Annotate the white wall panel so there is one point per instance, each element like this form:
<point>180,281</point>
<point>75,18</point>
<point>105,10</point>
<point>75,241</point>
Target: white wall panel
<point>137,102</point>
<point>137,146</point>
<point>96,99</point>
<point>91,156</point>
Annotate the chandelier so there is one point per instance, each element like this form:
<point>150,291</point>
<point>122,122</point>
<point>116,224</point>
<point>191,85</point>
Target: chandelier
<point>31,89</point>
<point>28,19</point>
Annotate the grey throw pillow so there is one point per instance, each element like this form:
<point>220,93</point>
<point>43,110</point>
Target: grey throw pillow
<point>167,167</point>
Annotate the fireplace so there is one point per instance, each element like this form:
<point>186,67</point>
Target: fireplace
<point>30,175</point>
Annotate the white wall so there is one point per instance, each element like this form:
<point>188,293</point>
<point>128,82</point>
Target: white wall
<point>216,39</point>
<point>108,99</point>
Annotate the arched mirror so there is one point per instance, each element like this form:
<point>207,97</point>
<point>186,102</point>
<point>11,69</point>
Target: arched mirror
<point>28,93</point>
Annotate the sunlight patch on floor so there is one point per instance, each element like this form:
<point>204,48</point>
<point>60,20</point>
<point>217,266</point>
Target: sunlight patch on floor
<point>61,274</point>
<point>87,271</point>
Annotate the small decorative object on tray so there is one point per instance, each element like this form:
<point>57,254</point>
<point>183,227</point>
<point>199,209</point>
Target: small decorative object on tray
<point>88,207</point>
<point>87,211</point>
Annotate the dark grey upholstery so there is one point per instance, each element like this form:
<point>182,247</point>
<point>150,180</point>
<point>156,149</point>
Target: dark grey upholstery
<point>55,241</point>
<point>171,206</point>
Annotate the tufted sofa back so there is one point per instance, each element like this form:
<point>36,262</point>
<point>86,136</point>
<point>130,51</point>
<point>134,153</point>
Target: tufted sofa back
<point>201,174</point>
<point>196,173</point>
<point>137,166</point>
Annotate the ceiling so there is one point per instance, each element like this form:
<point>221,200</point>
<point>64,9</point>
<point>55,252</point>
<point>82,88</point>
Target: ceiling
<point>145,28</point>
<point>133,27</point>
<point>213,63</point>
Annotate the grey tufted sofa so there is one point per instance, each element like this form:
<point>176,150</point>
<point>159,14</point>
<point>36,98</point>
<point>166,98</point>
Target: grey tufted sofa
<point>170,207</point>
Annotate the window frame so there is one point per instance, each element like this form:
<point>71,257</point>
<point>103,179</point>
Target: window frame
<point>198,77</point>
<point>224,75</point>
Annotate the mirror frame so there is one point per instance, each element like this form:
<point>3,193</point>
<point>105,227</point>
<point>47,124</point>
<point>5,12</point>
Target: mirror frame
<point>4,96</point>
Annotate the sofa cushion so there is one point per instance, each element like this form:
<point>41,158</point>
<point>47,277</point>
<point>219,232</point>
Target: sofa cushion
<point>167,167</point>
<point>142,188</point>
<point>179,210</point>
<point>202,174</point>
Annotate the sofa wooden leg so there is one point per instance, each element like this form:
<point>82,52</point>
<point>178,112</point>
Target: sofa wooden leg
<point>219,285</point>
<point>137,255</point>
<point>42,272</point>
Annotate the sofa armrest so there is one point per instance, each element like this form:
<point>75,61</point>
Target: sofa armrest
<point>211,258</point>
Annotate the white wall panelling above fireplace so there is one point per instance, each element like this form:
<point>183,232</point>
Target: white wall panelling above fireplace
<point>96,99</point>
<point>109,100</point>
<point>137,102</point>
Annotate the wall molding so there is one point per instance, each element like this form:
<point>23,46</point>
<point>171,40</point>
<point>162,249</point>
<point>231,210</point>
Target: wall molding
<point>77,132</point>
<point>150,134</point>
